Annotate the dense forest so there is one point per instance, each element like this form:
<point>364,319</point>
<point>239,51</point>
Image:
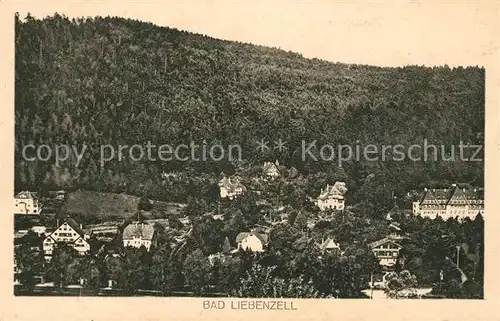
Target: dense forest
<point>109,80</point>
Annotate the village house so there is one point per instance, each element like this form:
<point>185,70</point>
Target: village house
<point>230,188</point>
<point>330,246</point>
<point>387,249</point>
<point>450,203</point>
<point>332,197</point>
<point>271,170</point>
<point>137,234</point>
<point>255,240</point>
<point>27,203</point>
<point>69,232</point>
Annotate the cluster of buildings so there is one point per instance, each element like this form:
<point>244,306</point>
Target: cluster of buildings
<point>67,230</point>
<point>332,197</point>
<point>446,203</point>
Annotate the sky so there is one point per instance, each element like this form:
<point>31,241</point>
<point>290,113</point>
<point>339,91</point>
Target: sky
<point>383,33</point>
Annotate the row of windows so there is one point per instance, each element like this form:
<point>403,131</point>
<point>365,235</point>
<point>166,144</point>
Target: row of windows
<point>65,234</point>
<point>386,253</point>
<point>389,246</point>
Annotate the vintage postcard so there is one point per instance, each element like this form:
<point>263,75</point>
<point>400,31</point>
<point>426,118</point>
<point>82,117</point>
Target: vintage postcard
<point>306,160</point>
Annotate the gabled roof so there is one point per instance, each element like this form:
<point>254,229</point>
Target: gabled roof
<point>329,244</point>
<point>338,190</point>
<point>19,234</point>
<point>261,236</point>
<point>74,225</point>
<point>453,195</point>
<point>241,236</point>
<point>26,195</point>
<point>144,231</point>
<point>395,226</point>
<point>231,185</point>
<point>270,168</point>
<point>383,241</point>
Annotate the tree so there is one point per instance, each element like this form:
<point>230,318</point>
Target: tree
<point>130,270</point>
<point>300,221</point>
<point>260,282</point>
<point>226,247</point>
<point>164,273</point>
<point>64,265</point>
<point>145,204</point>
<point>207,235</point>
<point>196,270</point>
<point>90,270</point>
<point>401,285</point>
<point>29,262</point>
<point>225,274</point>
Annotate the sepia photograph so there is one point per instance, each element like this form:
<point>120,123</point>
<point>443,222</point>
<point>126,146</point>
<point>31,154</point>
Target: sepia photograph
<point>233,159</point>
<point>153,161</point>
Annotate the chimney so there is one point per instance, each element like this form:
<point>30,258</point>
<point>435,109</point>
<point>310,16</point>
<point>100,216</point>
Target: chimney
<point>81,228</point>
<point>57,223</point>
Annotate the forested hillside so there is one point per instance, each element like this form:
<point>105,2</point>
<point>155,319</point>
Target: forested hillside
<point>119,81</point>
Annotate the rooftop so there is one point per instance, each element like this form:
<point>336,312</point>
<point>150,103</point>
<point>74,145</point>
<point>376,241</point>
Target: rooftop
<point>144,231</point>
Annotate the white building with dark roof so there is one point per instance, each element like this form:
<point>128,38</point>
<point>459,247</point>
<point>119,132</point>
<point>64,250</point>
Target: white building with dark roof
<point>450,202</point>
<point>386,250</point>
<point>332,197</point>
<point>137,234</point>
<point>231,188</point>
<point>69,232</point>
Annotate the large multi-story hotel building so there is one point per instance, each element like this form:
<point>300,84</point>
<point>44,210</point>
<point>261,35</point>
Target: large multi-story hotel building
<point>450,202</point>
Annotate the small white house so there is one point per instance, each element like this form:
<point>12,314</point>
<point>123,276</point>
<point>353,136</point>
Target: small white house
<point>332,197</point>
<point>271,170</point>
<point>230,189</point>
<point>255,241</point>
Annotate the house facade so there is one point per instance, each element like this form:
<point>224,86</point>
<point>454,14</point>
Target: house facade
<point>27,203</point>
<point>386,250</point>
<point>254,241</point>
<point>139,234</point>
<point>450,203</point>
<point>69,232</point>
<point>330,246</point>
<point>332,197</point>
<point>271,170</point>
<point>230,189</point>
